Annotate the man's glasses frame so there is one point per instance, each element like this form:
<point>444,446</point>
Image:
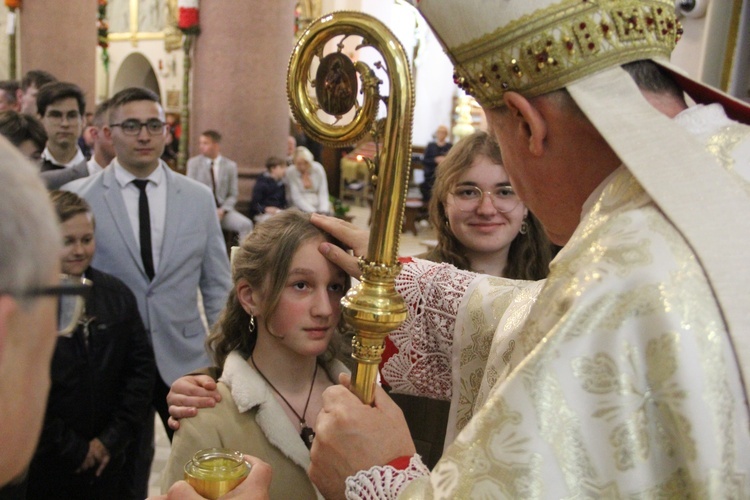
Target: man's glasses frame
<point>71,294</point>
<point>132,126</point>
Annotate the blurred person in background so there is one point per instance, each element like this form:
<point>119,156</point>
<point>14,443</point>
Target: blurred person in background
<point>25,132</point>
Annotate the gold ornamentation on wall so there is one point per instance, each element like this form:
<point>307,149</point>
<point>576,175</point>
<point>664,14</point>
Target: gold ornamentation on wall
<point>172,34</point>
<point>141,23</point>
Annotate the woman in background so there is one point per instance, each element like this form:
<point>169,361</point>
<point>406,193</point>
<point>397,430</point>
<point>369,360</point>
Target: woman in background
<point>434,154</point>
<point>307,183</point>
<point>482,226</point>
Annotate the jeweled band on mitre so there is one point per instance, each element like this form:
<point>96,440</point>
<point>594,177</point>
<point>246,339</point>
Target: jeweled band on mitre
<point>555,45</point>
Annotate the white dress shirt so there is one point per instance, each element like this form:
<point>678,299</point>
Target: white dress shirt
<point>93,166</point>
<point>78,158</point>
<point>215,167</point>
<point>157,204</point>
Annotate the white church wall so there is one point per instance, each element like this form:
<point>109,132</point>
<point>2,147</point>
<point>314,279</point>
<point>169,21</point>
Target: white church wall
<point>702,50</point>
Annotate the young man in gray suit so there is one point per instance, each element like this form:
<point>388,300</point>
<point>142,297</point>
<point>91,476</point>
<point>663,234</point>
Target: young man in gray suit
<point>158,232</point>
<point>220,175</point>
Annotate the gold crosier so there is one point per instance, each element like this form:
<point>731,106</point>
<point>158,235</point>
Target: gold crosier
<point>372,308</point>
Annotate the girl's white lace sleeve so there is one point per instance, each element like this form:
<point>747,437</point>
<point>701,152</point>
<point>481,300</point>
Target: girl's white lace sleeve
<point>384,482</point>
<point>433,293</point>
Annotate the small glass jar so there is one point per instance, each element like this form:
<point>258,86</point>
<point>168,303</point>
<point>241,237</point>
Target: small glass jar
<point>215,471</point>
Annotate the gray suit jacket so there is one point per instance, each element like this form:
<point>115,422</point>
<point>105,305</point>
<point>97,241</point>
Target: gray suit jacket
<point>198,168</point>
<point>193,257</point>
<point>55,179</point>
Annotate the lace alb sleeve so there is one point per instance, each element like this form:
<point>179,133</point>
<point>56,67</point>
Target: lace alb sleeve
<point>384,482</point>
<point>433,293</point>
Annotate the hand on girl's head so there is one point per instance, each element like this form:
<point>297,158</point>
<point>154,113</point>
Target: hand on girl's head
<point>347,262</point>
<point>350,235</point>
<point>347,233</point>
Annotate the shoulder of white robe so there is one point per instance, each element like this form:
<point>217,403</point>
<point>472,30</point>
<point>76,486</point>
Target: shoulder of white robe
<point>676,170</point>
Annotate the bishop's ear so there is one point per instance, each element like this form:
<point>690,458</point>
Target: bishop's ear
<point>530,118</point>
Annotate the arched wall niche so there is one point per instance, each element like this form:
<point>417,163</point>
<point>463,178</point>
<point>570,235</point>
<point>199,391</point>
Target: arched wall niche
<point>136,71</point>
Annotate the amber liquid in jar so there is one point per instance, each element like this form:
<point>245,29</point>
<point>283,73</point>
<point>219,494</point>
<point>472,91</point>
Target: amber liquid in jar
<point>215,471</point>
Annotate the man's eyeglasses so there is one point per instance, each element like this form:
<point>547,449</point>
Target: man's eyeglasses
<point>56,117</point>
<point>133,126</point>
<point>71,294</point>
<point>468,198</point>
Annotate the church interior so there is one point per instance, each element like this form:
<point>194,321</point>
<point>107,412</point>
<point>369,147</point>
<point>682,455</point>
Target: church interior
<point>235,79</point>
<point>229,72</point>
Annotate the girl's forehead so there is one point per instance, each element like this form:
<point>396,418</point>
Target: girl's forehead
<point>308,258</point>
<point>484,171</point>
<point>308,246</point>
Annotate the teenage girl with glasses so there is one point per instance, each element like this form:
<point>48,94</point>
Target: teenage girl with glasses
<point>481,224</point>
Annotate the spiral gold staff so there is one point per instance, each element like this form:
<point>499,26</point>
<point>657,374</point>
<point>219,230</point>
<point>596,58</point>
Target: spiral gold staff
<point>373,308</point>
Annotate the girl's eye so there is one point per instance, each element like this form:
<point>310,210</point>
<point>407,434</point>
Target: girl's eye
<point>299,285</point>
<point>87,240</point>
<point>468,193</point>
<point>336,287</point>
<point>504,192</point>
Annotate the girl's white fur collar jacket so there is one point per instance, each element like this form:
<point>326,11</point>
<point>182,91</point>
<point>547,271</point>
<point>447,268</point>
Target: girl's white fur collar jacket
<point>249,390</point>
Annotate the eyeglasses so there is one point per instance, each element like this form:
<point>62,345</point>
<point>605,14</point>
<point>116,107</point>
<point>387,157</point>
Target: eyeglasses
<point>468,198</point>
<point>56,117</point>
<point>71,294</point>
<point>133,126</point>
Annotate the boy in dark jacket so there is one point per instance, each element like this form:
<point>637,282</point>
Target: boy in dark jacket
<point>102,377</point>
<point>269,192</point>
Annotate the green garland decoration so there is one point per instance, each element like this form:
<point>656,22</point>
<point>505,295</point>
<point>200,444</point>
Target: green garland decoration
<point>102,31</point>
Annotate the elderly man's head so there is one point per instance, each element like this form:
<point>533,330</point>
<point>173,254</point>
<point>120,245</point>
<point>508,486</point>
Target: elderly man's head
<point>30,247</point>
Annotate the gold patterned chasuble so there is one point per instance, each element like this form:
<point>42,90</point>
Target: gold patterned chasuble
<point>621,383</point>
<point>616,381</point>
<point>616,378</point>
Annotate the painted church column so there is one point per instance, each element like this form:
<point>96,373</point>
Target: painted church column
<point>60,37</point>
<point>239,80</point>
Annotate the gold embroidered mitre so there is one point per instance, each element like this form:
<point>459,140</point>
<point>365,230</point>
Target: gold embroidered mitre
<point>537,46</point>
